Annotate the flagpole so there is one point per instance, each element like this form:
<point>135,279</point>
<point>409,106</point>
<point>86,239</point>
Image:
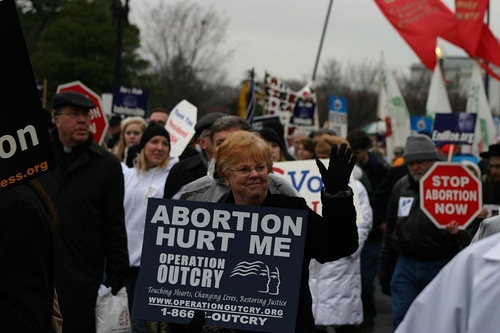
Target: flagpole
<point>486,76</point>
<point>321,41</point>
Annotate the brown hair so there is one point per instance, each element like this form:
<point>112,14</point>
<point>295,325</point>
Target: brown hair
<point>325,143</point>
<point>241,144</point>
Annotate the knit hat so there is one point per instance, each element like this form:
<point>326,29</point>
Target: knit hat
<point>152,131</point>
<point>418,148</point>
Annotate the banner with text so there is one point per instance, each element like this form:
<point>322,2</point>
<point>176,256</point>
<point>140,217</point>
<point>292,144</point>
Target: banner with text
<point>240,264</point>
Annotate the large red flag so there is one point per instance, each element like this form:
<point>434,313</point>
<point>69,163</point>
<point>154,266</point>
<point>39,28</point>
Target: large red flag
<point>488,47</point>
<point>420,22</point>
<point>469,18</point>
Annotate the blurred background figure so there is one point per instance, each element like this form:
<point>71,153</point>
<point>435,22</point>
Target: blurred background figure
<point>280,153</point>
<point>113,135</point>
<point>196,166</point>
<point>376,172</point>
<point>159,116</point>
<point>293,148</point>
<point>305,149</point>
<point>398,156</point>
<point>131,133</point>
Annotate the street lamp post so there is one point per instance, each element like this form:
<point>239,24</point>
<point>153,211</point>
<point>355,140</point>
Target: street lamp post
<point>120,18</point>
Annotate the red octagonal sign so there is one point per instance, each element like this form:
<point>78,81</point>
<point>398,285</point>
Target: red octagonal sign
<point>98,121</point>
<point>450,192</point>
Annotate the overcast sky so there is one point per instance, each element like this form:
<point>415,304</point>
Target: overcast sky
<point>282,37</point>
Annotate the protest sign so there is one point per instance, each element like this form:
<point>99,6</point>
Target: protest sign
<point>180,126</point>
<point>240,264</point>
<point>25,149</point>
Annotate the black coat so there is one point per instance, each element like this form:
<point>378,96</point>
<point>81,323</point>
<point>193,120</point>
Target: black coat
<point>27,263</point>
<point>87,188</point>
<point>328,238</point>
<point>184,172</point>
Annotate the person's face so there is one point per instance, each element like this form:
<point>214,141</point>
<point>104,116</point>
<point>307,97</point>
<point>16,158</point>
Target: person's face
<point>73,125</point>
<point>219,138</point>
<point>156,151</point>
<point>296,141</point>
<point>159,118</point>
<point>418,169</point>
<point>132,135</point>
<point>302,153</point>
<point>248,180</point>
<point>494,164</point>
<point>276,151</point>
<point>205,144</point>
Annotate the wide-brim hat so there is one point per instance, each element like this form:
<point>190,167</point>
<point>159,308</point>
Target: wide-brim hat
<point>493,150</point>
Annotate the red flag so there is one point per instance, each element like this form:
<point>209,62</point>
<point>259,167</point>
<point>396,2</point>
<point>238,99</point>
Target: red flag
<point>469,17</point>
<point>420,23</point>
<point>488,47</point>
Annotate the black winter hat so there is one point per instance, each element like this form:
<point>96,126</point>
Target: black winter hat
<point>152,131</point>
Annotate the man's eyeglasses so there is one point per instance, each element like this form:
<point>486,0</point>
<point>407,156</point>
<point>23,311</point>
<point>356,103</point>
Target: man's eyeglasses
<point>76,114</point>
<point>245,171</point>
<point>494,166</point>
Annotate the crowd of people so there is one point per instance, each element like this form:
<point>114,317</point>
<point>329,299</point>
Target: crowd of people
<point>89,217</point>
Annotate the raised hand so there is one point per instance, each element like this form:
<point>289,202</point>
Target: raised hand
<point>342,161</point>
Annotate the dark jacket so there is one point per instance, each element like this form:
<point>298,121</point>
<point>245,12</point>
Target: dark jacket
<point>376,172</point>
<point>27,263</point>
<point>328,238</point>
<point>184,172</point>
<point>414,235</point>
<point>87,188</point>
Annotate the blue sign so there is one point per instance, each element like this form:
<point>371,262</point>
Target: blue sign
<point>303,112</point>
<point>130,101</point>
<point>421,124</point>
<point>337,104</point>
<point>240,264</point>
<point>454,128</point>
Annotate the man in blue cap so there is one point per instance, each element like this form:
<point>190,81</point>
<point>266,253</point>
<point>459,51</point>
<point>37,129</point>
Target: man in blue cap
<point>87,188</point>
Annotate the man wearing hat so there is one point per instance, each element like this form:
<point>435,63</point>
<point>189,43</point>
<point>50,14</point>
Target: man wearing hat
<point>87,187</point>
<point>193,167</point>
<point>414,249</point>
<point>491,181</point>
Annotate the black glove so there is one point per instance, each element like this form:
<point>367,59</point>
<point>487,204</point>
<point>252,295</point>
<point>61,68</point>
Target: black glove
<point>336,178</point>
<point>115,284</point>
<point>196,324</point>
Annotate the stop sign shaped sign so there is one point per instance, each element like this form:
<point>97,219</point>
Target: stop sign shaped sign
<point>98,121</point>
<point>450,192</point>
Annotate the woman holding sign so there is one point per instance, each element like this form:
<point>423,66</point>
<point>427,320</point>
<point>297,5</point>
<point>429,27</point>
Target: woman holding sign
<point>244,162</point>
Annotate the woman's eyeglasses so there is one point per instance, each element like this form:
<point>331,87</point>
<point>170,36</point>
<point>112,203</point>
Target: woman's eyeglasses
<point>245,170</point>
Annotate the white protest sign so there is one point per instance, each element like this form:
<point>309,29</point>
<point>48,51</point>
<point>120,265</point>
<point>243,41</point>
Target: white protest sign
<point>180,126</point>
<point>306,179</point>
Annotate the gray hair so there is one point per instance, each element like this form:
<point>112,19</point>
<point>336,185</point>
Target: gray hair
<point>229,122</point>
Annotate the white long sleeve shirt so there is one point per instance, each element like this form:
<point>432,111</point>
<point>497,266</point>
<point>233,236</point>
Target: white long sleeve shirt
<point>139,187</point>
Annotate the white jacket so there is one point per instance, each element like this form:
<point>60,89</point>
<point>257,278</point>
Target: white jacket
<point>139,187</point>
<point>336,286</point>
